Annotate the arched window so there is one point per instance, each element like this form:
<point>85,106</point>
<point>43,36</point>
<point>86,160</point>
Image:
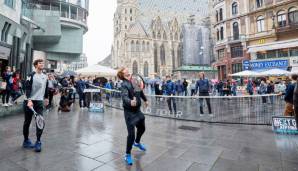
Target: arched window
<point>235,31</point>
<point>143,46</point>
<point>234,8</point>
<point>155,59</point>
<point>221,33</point>
<point>220,14</point>
<point>137,46</point>
<point>281,19</point>
<point>162,55</point>
<point>179,55</point>
<point>216,16</point>
<point>135,67</point>
<point>146,69</point>
<point>217,34</point>
<point>158,35</point>
<point>259,3</point>
<point>164,36</point>
<point>260,24</point>
<point>148,47</point>
<point>130,11</point>
<point>176,36</point>
<point>132,46</point>
<point>293,15</point>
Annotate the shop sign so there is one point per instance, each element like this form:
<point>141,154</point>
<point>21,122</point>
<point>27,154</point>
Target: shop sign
<point>260,65</point>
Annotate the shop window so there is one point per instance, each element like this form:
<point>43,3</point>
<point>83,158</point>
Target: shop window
<point>271,54</point>
<point>236,68</point>
<point>261,55</point>
<point>283,53</point>
<point>294,52</point>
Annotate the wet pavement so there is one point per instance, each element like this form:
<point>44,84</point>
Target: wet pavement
<point>81,140</point>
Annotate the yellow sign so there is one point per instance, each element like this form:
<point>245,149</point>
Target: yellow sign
<point>261,41</point>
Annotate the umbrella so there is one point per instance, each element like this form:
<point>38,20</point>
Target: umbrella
<point>245,73</point>
<point>98,70</point>
<point>274,72</point>
<point>68,73</point>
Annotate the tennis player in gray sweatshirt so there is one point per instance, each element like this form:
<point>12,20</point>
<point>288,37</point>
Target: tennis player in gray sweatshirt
<point>36,97</point>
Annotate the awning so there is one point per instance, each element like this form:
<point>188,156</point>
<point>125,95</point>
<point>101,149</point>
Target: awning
<point>273,46</point>
<point>4,52</point>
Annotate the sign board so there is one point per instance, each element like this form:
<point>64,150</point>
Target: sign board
<point>294,61</point>
<point>284,124</point>
<point>261,65</point>
<point>246,65</point>
<point>4,52</point>
<point>261,41</point>
<point>96,107</point>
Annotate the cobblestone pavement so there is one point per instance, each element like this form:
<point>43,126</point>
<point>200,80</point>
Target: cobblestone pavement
<point>81,140</point>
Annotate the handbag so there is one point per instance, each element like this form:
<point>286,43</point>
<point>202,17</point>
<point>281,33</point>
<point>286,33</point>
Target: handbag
<point>3,85</point>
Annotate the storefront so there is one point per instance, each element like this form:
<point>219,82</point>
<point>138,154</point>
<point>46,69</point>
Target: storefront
<point>4,56</point>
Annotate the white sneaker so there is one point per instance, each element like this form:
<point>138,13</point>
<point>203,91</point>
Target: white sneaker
<point>9,104</point>
<point>5,105</point>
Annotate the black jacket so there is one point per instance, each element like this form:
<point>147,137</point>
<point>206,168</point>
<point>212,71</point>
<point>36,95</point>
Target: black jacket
<point>28,86</point>
<point>128,93</point>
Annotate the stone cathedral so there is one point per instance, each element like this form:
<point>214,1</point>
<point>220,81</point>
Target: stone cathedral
<point>148,34</point>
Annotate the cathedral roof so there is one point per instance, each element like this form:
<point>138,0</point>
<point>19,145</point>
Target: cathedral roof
<point>137,29</point>
<point>170,9</point>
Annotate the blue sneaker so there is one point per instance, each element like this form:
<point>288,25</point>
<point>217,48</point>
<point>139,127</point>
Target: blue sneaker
<point>140,146</point>
<point>38,146</point>
<point>128,159</point>
<point>27,144</point>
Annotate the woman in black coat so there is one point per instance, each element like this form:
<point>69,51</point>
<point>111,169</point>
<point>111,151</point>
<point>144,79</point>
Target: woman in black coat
<point>132,113</point>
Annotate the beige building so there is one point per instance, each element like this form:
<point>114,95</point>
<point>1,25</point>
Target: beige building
<point>262,31</point>
<point>148,34</point>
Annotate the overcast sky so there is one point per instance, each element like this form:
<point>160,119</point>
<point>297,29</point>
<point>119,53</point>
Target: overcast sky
<point>98,40</point>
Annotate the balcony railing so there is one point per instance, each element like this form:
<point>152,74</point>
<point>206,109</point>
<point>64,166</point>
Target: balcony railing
<point>288,28</point>
<point>239,38</point>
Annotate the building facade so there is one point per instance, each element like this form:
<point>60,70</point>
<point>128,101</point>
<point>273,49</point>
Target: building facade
<point>254,32</point>
<point>148,36</point>
<point>62,26</point>
<point>82,63</point>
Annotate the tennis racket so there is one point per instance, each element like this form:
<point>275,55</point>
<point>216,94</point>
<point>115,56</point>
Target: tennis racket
<point>39,120</point>
<point>137,82</point>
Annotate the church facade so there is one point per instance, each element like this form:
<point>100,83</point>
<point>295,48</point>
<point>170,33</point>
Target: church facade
<point>148,34</point>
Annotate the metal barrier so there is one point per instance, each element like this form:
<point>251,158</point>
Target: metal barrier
<point>256,109</point>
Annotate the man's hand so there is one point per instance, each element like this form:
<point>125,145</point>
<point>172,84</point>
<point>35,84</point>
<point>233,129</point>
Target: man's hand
<point>30,104</point>
<point>46,102</point>
<point>146,104</point>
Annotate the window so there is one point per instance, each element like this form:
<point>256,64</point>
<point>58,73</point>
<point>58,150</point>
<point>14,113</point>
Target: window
<point>162,55</point>
<point>220,14</point>
<point>5,31</point>
<point>138,46</point>
<point>132,46</point>
<point>158,35</point>
<point>259,3</point>
<point>260,24</point>
<point>148,47</point>
<point>236,51</point>
<point>281,19</point>
<point>125,11</point>
<point>125,26</point>
<point>143,46</point>
<point>293,15</point>
<point>216,16</point>
<point>135,67</point>
<point>130,11</point>
<point>294,52</point>
<point>221,33</point>
<point>164,36</point>
<point>153,35</point>
<point>221,53</point>
<point>146,69</point>
<point>271,54</point>
<point>261,55</point>
<point>283,53</point>
<point>236,68</point>
<point>9,3</point>
<point>176,36</point>
<point>235,31</point>
<point>234,8</point>
<point>130,18</point>
<point>217,34</point>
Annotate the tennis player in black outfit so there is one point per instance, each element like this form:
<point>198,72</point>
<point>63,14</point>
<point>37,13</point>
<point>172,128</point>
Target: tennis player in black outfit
<point>132,113</point>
